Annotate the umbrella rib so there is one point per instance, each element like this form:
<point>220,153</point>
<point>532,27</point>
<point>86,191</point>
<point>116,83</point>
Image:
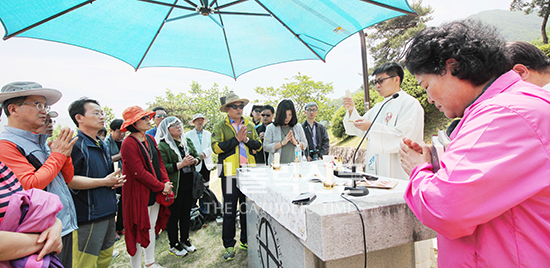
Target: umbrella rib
<point>227,45</point>
<point>47,19</point>
<point>391,7</point>
<point>170,5</point>
<point>154,38</point>
<point>288,28</point>
<point>212,4</point>
<point>242,13</point>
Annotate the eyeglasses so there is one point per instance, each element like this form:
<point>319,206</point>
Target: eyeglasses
<point>39,105</point>
<point>176,124</point>
<point>266,115</point>
<point>160,115</point>
<point>145,118</point>
<point>381,80</point>
<point>311,110</point>
<point>258,110</point>
<point>98,114</point>
<point>235,107</point>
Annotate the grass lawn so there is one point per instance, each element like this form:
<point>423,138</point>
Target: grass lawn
<point>207,240</point>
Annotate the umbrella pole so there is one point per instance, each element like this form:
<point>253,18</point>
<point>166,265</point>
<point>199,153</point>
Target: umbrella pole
<point>362,36</point>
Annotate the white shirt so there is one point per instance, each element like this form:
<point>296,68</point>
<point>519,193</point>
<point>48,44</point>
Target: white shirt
<point>203,146</point>
<point>401,117</point>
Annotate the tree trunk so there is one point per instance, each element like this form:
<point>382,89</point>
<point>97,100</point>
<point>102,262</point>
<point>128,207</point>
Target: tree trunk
<point>543,28</point>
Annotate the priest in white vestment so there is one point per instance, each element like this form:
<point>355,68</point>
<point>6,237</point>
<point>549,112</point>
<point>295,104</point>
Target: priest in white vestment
<point>400,117</point>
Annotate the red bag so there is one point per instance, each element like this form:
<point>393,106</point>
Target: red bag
<point>166,200</point>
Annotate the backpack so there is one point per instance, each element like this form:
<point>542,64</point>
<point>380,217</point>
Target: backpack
<point>212,206</point>
<point>198,185</point>
<point>197,220</point>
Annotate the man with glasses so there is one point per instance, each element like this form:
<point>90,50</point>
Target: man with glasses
<point>401,117</point>
<point>267,114</point>
<point>316,134</point>
<point>160,114</point>
<point>24,151</point>
<point>233,139</point>
<point>93,187</point>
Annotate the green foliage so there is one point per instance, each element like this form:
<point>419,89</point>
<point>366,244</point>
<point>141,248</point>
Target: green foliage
<point>388,40</point>
<point>197,100</point>
<point>540,7</point>
<point>337,125</point>
<point>545,49</point>
<point>109,117</point>
<point>301,90</point>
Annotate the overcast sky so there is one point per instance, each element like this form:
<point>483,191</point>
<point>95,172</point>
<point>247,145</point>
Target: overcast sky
<point>79,72</point>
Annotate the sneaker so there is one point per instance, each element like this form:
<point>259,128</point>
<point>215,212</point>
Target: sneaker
<point>117,237</point>
<point>229,254</point>
<point>243,245</point>
<point>178,251</point>
<point>187,246</point>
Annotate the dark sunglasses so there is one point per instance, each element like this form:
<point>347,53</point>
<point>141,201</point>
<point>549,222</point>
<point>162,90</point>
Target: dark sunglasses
<point>235,107</point>
<point>266,115</point>
<point>145,117</point>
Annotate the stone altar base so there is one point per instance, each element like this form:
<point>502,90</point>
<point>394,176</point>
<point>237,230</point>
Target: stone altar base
<point>272,245</point>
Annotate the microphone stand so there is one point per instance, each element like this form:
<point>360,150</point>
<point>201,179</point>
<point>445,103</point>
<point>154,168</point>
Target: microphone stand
<point>361,190</point>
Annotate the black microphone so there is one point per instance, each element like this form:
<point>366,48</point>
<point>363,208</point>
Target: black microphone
<point>356,175</point>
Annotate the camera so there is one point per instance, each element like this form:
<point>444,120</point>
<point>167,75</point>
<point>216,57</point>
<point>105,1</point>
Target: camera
<point>314,154</point>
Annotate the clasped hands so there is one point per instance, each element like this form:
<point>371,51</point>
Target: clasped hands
<point>413,154</point>
<point>289,138</point>
<point>188,160</point>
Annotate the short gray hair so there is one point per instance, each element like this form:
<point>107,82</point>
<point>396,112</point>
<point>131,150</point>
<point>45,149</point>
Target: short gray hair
<point>310,104</point>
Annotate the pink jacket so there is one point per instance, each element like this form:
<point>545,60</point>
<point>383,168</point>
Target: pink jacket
<point>490,201</point>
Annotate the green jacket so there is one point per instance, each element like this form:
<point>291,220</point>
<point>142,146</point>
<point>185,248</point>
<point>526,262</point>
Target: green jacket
<point>225,144</point>
<point>170,159</point>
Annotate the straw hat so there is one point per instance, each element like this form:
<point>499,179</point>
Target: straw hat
<point>132,114</point>
<point>231,98</point>
<point>21,89</point>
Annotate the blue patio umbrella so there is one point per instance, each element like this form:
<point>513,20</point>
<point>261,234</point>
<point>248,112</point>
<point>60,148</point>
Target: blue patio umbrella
<point>229,37</point>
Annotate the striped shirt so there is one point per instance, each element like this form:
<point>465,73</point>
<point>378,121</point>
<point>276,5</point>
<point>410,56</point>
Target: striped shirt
<point>9,184</point>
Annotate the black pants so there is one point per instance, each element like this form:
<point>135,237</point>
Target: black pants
<point>180,211</point>
<point>205,172</point>
<point>232,196</point>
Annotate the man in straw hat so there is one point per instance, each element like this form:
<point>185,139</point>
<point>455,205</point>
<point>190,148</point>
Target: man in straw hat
<point>233,140</point>
<point>26,105</point>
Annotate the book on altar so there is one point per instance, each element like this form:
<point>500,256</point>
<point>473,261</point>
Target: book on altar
<point>380,184</point>
<point>440,142</point>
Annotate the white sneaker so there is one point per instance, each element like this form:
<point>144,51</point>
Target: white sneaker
<point>177,252</point>
<point>187,246</point>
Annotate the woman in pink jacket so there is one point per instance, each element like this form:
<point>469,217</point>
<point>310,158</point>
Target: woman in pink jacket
<point>490,200</point>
